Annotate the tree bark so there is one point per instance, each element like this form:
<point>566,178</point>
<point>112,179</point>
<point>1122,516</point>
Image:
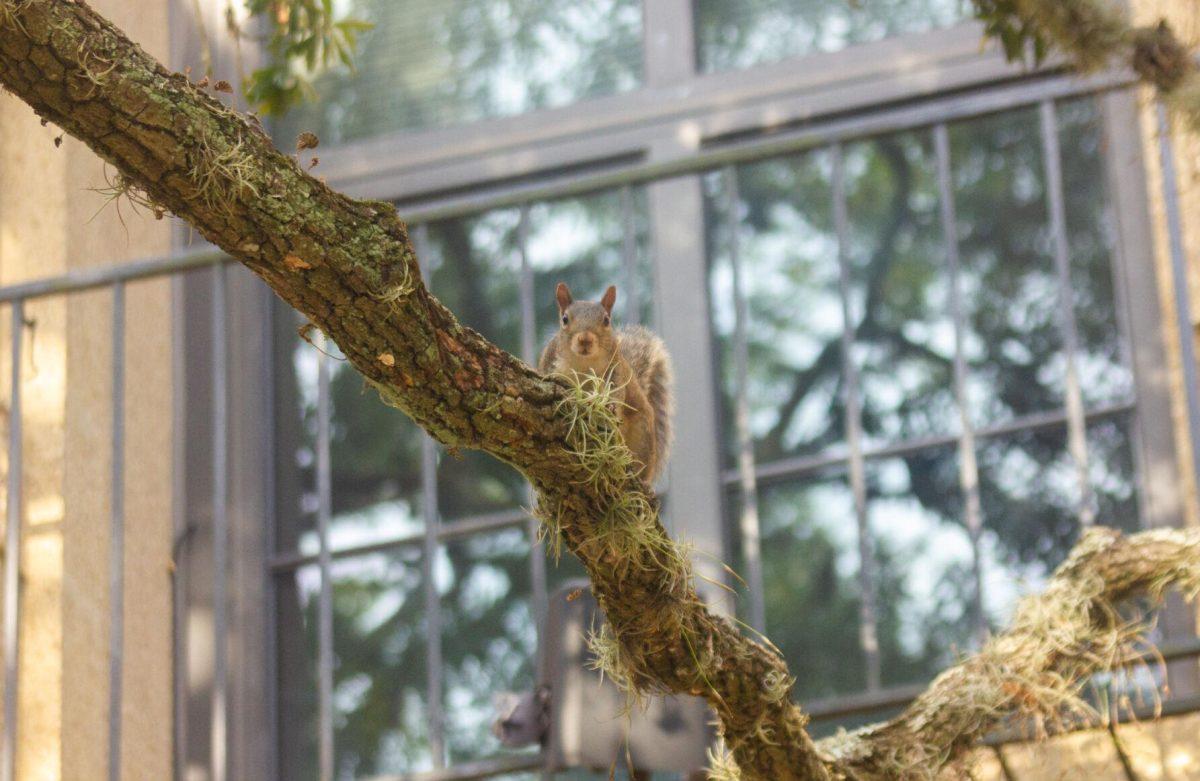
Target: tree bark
<point>349,267</point>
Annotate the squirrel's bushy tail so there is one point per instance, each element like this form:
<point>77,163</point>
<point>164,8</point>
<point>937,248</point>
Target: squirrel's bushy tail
<point>651,364</point>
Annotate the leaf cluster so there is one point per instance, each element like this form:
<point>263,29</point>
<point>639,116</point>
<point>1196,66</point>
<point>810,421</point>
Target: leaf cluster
<point>1017,34</point>
<point>302,37</point>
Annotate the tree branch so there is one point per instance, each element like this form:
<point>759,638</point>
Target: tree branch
<point>349,267</point>
<point>1038,667</point>
<point>1095,34</point>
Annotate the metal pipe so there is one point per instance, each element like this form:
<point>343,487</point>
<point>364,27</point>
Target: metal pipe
<point>537,553</point>
<point>968,468</point>
<point>748,522</point>
<point>116,543</point>
<point>12,552</point>
<point>430,544</point>
<point>787,468</point>
<point>325,759</point>
<point>1076,428</point>
<point>868,627</point>
<point>270,524</point>
<point>775,144</point>
<point>89,278</point>
<point>505,519</point>
<point>1179,278</point>
<point>632,307</point>
<point>220,527</point>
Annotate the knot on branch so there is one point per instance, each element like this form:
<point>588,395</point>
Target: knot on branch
<point>1160,57</point>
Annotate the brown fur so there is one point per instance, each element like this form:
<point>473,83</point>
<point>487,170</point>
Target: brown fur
<point>633,360</point>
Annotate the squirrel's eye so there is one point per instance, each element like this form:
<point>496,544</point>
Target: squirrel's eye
<point>606,319</point>
<point>564,319</point>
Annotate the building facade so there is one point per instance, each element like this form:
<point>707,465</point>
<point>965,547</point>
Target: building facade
<point>928,311</point>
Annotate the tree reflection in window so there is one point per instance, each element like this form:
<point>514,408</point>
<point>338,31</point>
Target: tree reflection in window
<point>434,63</point>
<point>903,358</point>
<point>740,33</point>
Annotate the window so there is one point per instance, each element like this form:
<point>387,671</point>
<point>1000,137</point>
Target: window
<point>435,63</point>
<point>849,410</point>
<point>739,33</point>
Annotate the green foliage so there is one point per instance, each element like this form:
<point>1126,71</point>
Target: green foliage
<point>303,37</point>
<point>1017,34</point>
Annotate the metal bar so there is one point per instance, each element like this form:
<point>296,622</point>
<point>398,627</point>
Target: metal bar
<point>904,117</point>
<point>324,562</point>
<point>968,468</point>
<point>787,468</point>
<point>220,527</point>
<point>471,771</point>
<point>180,532</point>
<point>537,553</point>
<point>632,306</point>
<point>270,523</point>
<point>868,629</point>
<point>1179,279</point>
<point>868,703</point>
<point>505,519</point>
<point>1173,707</point>
<point>748,523</point>
<point>12,552</point>
<point>1076,427</point>
<point>116,542</point>
<point>90,278</point>
<point>429,539</point>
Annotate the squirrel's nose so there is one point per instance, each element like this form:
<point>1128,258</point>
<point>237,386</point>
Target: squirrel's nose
<point>584,343</point>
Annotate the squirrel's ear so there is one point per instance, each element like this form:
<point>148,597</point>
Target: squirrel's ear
<point>563,294</point>
<point>610,298</point>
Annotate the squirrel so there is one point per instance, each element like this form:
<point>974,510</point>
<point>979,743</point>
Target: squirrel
<point>632,359</point>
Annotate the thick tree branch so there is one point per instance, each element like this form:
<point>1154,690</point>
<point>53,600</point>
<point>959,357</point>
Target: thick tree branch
<point>349,267</point>
<point>1037,668</point>
<point>1095,34</point>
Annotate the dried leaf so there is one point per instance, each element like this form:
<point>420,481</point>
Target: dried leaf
<point>307,140</point>
<point>296,263</point>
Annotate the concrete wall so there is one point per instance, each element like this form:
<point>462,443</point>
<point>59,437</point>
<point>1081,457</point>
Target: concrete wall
<point>50,223</point>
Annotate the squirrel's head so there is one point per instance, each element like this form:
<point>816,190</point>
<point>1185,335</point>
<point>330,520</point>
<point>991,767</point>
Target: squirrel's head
<point>587,325</point>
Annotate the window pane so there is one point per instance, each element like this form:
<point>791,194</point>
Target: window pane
<point>788,252</point>
<point>295,381</point>
<point>379,683</point>
<point>381,713</point>
<point>375,454</point>
<point>1103,361</point>
<point>740,33</point>
<point>1112,473</point>
<point>1013,341</point>
<point>1030,497</point>
<point>433,63</point>
<point>581,241</point>
<point>810,570</point>
<point>296,668</point>
<point>904,337</point>
<point>475,270</point>
<point>923,554</point>
<point>489,641</point>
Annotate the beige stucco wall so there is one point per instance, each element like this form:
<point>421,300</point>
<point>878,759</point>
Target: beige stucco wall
<point>48,225</point>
